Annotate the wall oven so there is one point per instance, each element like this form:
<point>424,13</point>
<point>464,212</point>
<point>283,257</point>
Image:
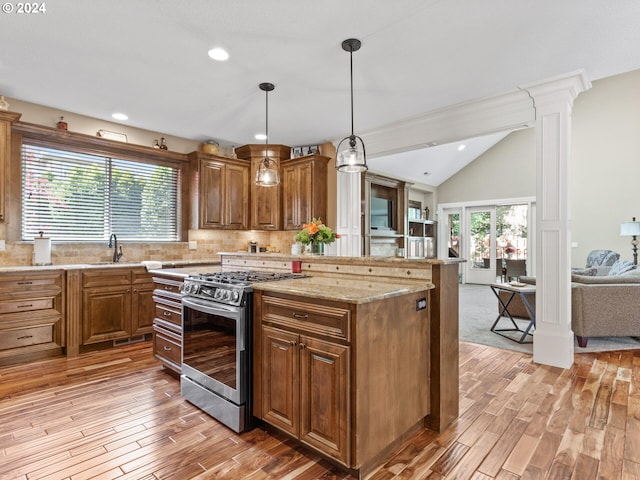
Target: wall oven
<point>217,312</point>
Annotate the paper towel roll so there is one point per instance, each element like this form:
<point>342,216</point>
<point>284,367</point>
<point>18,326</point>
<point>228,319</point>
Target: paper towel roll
<point>41,251</point>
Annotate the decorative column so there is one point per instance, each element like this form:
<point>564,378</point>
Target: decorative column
<point>349,217</point>
<point>553,99</point>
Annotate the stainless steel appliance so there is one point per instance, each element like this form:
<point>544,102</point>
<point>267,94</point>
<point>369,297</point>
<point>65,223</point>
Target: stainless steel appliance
<point>216,358</point>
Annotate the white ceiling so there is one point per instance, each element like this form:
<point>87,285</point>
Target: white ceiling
<point>148,59</point>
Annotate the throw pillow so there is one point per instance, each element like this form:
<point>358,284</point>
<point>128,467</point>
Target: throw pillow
<point>621,266</point>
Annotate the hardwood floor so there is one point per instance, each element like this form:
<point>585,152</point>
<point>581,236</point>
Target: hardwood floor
<point>117,415</point>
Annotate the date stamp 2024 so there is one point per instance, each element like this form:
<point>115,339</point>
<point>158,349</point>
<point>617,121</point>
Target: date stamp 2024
<point>24,8</point>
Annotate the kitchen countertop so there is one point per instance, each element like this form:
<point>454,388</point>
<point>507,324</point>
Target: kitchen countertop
<point>346,290</point>
<point>166,266</point>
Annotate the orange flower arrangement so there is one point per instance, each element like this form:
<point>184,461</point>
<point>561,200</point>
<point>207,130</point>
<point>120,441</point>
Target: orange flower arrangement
<point>315,232</point>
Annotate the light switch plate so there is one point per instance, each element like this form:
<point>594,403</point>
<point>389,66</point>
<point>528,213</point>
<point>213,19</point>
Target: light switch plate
<point>3,246</point>
<point>193,245</point>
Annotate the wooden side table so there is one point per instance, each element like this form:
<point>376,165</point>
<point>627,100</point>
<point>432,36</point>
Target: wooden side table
<point>524,291</point>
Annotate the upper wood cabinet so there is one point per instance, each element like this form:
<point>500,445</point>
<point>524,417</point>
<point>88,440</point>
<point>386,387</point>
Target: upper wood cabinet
<point>6,120</point>
<point>304,183</point>
<point>223,191</point>
<point>265,201</point>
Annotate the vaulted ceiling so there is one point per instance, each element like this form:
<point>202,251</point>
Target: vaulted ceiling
<point>148,59</point>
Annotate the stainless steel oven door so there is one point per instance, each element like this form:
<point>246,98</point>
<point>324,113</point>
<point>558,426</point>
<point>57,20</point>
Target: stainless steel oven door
<point>214,350</point>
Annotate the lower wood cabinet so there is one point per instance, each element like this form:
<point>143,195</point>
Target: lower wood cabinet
<point>31,315</point>
<point>348,380</point>
<point>117,303</point>
<point>305,387</point>
<point>167,322</point>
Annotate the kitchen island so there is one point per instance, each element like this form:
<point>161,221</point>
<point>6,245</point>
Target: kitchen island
<point>356,356</point>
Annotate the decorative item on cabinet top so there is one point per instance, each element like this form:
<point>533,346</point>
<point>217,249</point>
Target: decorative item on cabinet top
<point>4,105</point>
<point>306,150</point>
<point>211,147</point>
<point>121,137</point>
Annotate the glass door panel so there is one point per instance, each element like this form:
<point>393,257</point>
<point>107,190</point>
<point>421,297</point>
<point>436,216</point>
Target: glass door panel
<point>481,267</point>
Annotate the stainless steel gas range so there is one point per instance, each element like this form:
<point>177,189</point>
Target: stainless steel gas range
<point>217,311</point>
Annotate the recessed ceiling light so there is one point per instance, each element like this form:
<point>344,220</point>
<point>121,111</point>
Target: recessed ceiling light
<point>260,136</point>
<point>219,54</point>
<point>120,116</point>
<point>461,147</point>
<point>426,174</point>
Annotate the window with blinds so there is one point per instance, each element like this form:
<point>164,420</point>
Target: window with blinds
<point>78,197</point>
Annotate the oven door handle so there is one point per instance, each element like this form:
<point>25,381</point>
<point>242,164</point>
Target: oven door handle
<point>208,307</point>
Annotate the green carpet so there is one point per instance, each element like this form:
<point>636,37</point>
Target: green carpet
<point>479,309</point>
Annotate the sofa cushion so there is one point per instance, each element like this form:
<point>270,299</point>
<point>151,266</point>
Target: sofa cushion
<point>621,266</point>
<point>602,258</point>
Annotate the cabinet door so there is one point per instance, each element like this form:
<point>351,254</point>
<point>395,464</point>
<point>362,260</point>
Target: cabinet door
<point>237,197</point>
<point>106,313</point>
<point>324,397</point>
<point>280,379</point>
<point>290,196</point>
<point>211,194</point>
<point>265,201</point>
<point>142,309</point>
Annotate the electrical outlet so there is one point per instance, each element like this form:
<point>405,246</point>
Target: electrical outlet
<point>3,246</point>
<point>193,245</point>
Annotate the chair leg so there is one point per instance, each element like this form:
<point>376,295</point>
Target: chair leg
<point>582,341</point>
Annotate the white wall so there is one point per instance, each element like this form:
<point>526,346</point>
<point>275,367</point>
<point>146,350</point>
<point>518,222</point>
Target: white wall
<point>605,167</point>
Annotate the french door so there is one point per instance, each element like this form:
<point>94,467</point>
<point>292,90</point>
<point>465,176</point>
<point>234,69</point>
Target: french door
<point>480,230</point>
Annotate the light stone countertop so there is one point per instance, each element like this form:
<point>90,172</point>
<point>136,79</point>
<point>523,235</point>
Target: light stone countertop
<point>194,266</point>
<point>345,290</point>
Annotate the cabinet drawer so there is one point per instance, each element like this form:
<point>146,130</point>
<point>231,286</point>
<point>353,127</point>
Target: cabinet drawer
<point>23,337</point>
<point>167,346</point>
<point>114,276</point>
<point>169,314</point>
<point>26,305</point>
<point>307,317</point>
<point>32,282</point>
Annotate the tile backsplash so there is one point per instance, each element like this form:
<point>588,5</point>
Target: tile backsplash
<point>208,243</point>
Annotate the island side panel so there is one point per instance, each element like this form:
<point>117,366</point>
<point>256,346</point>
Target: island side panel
<point>390,374</point>
<point>444,347</point>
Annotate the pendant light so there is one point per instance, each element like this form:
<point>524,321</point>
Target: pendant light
<point>351,157</point>
<point>267,174</point>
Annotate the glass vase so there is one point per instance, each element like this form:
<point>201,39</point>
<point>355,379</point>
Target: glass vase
<point>317,248</point>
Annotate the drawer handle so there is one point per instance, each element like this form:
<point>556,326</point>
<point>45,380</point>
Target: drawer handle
<point>24,337</point>
<point>300,316</point>
<point>166,314</point>
<point>25,306</point>
<point>167,349</point>
<point>167,287</point>
<point>27,282</point>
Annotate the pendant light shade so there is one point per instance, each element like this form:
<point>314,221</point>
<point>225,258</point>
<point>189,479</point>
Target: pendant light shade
<point>351,156</point>
<point>267,173</point>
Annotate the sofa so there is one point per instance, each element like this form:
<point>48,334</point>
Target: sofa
<point>601,305</point>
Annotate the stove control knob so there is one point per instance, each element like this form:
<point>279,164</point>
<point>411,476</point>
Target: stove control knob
<point>226,295</point>
<point>218,294</point>
<point>235,296</point>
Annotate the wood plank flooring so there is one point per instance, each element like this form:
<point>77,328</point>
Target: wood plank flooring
<point>117,415</point>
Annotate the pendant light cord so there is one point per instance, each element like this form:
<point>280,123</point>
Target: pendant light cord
<point>266,140</point>
<point>351,75</point>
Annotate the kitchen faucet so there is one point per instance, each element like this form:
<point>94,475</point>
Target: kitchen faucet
<point>113,242</point>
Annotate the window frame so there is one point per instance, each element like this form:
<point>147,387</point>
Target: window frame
<point>40,136</point>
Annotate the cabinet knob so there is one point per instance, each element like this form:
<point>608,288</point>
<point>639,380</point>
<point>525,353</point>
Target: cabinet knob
<point>166,314</point>
<point>302,346</point>
<point>293,343</point>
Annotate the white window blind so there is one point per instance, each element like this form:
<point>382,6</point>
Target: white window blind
<point>78,197</point>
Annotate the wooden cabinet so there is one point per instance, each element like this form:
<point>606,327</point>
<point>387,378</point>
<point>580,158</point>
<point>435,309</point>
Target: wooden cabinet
<point>31,315</point>
<point>265,201</point>
<point>6,120</point>
<point>304,183</point>
<point>167,322</point>
<point>223,192</point>
<point>305,377</point>
<point>117,303</point>
<point>347,380</point>
<point>384,220</point>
